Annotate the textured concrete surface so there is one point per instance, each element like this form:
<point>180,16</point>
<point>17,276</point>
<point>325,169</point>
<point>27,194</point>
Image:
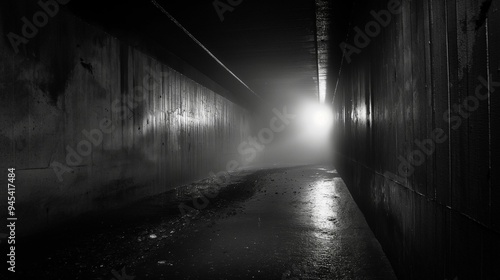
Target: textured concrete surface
<point>286,223</point>
<point>151,128</point>
<point>418,135</point>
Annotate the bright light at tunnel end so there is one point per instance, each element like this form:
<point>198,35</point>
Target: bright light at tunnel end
<point>317,117</point>
<point>323,116</point>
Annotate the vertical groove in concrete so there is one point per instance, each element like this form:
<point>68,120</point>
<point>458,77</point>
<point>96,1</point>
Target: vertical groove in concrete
<point>440,220</point>
<point>151,127</point>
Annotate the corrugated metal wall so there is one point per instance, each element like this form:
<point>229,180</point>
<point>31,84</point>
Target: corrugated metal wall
<point>73,79</point>
<point>418,124</point>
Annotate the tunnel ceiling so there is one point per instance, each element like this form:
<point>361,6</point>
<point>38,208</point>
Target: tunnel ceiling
<point>270,45</point>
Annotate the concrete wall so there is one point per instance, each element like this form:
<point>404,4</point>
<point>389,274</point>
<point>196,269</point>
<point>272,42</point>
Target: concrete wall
<point>425,173</point>
<point>152,128</point>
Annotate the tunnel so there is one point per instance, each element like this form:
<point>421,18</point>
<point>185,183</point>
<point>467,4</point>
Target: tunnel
<point>238,139</point>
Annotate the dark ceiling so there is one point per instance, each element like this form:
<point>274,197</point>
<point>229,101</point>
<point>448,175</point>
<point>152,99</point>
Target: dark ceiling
<point>270,45</point>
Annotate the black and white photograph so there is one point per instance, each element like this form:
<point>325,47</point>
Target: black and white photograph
<point>250,139</point>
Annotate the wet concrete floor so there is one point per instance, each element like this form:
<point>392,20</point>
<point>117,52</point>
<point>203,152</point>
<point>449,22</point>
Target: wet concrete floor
<point>279,223</point>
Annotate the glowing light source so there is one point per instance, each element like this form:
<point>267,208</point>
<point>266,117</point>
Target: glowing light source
<point>317,119</point>
<point>322,117</point>
<point>314,127</point>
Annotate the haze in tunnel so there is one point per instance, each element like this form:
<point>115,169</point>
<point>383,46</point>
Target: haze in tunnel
<point>233,139</point>
<point>301,134</point>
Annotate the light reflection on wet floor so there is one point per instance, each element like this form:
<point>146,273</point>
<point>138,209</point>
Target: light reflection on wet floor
<point>276,223</point>
<point>302,224</point>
